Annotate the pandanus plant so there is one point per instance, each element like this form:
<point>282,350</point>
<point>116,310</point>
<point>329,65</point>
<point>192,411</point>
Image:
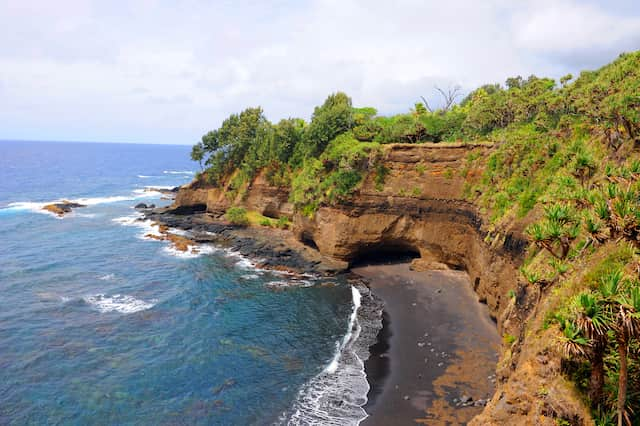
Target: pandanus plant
<point>621,210</point>
<point>584,166</point>
<point>559,228</point>
<point>626,327</point>
<point>623,302</point>
<point>595,228</point>
<point>591,319</point>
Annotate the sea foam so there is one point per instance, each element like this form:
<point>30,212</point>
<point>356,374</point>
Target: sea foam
<point>37,206</point>
<point>151,229</point>
<point>121,303</point>
<point>148,227</point>
<point>191,252</point>
<point>177,172</point>
<point>336,395</point>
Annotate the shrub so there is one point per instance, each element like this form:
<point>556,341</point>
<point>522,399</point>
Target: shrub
<point>237,216</point>
<point>265,222</point>
<point>381,175</point>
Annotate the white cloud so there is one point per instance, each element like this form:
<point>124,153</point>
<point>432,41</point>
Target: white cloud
<point>146,71</point>
<point>566,26</point>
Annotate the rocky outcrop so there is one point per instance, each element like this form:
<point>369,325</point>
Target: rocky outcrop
<point>62,207</point>
<point>259,195</point>
<point>422,209</point>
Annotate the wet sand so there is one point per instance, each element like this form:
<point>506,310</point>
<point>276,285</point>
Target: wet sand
<point>438,345</point>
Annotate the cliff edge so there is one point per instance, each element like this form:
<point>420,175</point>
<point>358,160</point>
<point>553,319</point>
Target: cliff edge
<point>422,207</point>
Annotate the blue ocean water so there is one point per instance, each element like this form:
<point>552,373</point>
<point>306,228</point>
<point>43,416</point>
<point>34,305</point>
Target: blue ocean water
<point>99,325</point>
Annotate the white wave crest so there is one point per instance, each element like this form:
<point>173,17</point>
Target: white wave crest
<point>152,187</point>
<point>151,229</point>
<point>28,206</point>
<point>177,172</point>
<point>250,277</point>
<point>192,251</point>
<point>107,277</point>
<point>336,395</point>
<point>37,206</point>
<point>148,227</point>
<point>283,285</point>
<point>117,303</point>
<point>145,193</point>
<point>245,263</point>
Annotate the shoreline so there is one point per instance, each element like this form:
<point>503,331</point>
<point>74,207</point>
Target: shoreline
<point>273,249</point>
<point>434,359</point>
<point>429,361</point>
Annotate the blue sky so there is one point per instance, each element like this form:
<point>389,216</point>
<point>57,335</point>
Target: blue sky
<point>165,72</point>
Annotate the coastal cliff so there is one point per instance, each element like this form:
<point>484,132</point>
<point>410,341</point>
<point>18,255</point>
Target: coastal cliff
<point>423,207</point>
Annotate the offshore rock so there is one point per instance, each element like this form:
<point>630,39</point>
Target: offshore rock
<point>62,207</point>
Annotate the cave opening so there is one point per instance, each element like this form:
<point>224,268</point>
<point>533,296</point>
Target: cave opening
<point>388,252</point>
<point>307,239</point>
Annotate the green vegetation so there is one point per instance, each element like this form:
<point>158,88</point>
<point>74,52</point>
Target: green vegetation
<point>237,216</point>
<point>566,162</point>
<point>283,222</point>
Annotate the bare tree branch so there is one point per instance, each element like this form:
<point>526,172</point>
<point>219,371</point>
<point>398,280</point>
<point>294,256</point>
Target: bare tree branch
<point>449,96</point>
<point>426,104</point>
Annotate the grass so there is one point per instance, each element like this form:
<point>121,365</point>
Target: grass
<point>256,219</point>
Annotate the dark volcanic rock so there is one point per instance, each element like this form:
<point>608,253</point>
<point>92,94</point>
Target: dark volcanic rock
<point>270,251</point>
<point>144,206</point>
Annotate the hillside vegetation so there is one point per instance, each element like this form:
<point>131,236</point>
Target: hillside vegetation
<point>565,167</point>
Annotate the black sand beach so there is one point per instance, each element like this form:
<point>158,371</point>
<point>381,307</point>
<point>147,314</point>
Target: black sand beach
<point>435,357</point>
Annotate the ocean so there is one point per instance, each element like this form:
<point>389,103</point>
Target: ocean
<point>102,325</point>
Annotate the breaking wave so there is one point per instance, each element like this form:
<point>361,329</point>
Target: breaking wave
<point>177,172</point>
<point>337,395</point>
<point>121,303</point>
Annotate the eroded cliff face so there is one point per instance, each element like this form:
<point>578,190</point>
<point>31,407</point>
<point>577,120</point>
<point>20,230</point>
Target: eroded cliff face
<point>269,200</point>
<point>422,208</point>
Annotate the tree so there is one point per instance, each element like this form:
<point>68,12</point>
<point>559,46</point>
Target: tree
<point>623,301</point>
<point>197,153</point>
<point>514,82</point>
<point>332,118</point>
<point>228,146</point>
<point>448,97</point>
<point>591,319</point>
<point>565,79</point>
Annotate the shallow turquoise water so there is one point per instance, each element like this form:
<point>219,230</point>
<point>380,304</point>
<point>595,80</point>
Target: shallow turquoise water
<point>99,325</point>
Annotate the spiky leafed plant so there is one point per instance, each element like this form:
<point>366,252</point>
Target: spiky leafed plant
<point>601,208</point>
<point>622,299</point>
<point>624,215</point>
<point>560,213</point>
<point>559,228</point>
<point>609,284</point>
<point>626,327</point>
<point>574,344</point>
<point>612,190</point>
<point>592,319</point>
<point>595,228</point>
<point>585,166</point>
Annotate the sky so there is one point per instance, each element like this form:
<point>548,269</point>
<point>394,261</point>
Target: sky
<point>154,71</point>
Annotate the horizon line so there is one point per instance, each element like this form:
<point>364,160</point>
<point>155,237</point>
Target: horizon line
<point>93,142</point>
